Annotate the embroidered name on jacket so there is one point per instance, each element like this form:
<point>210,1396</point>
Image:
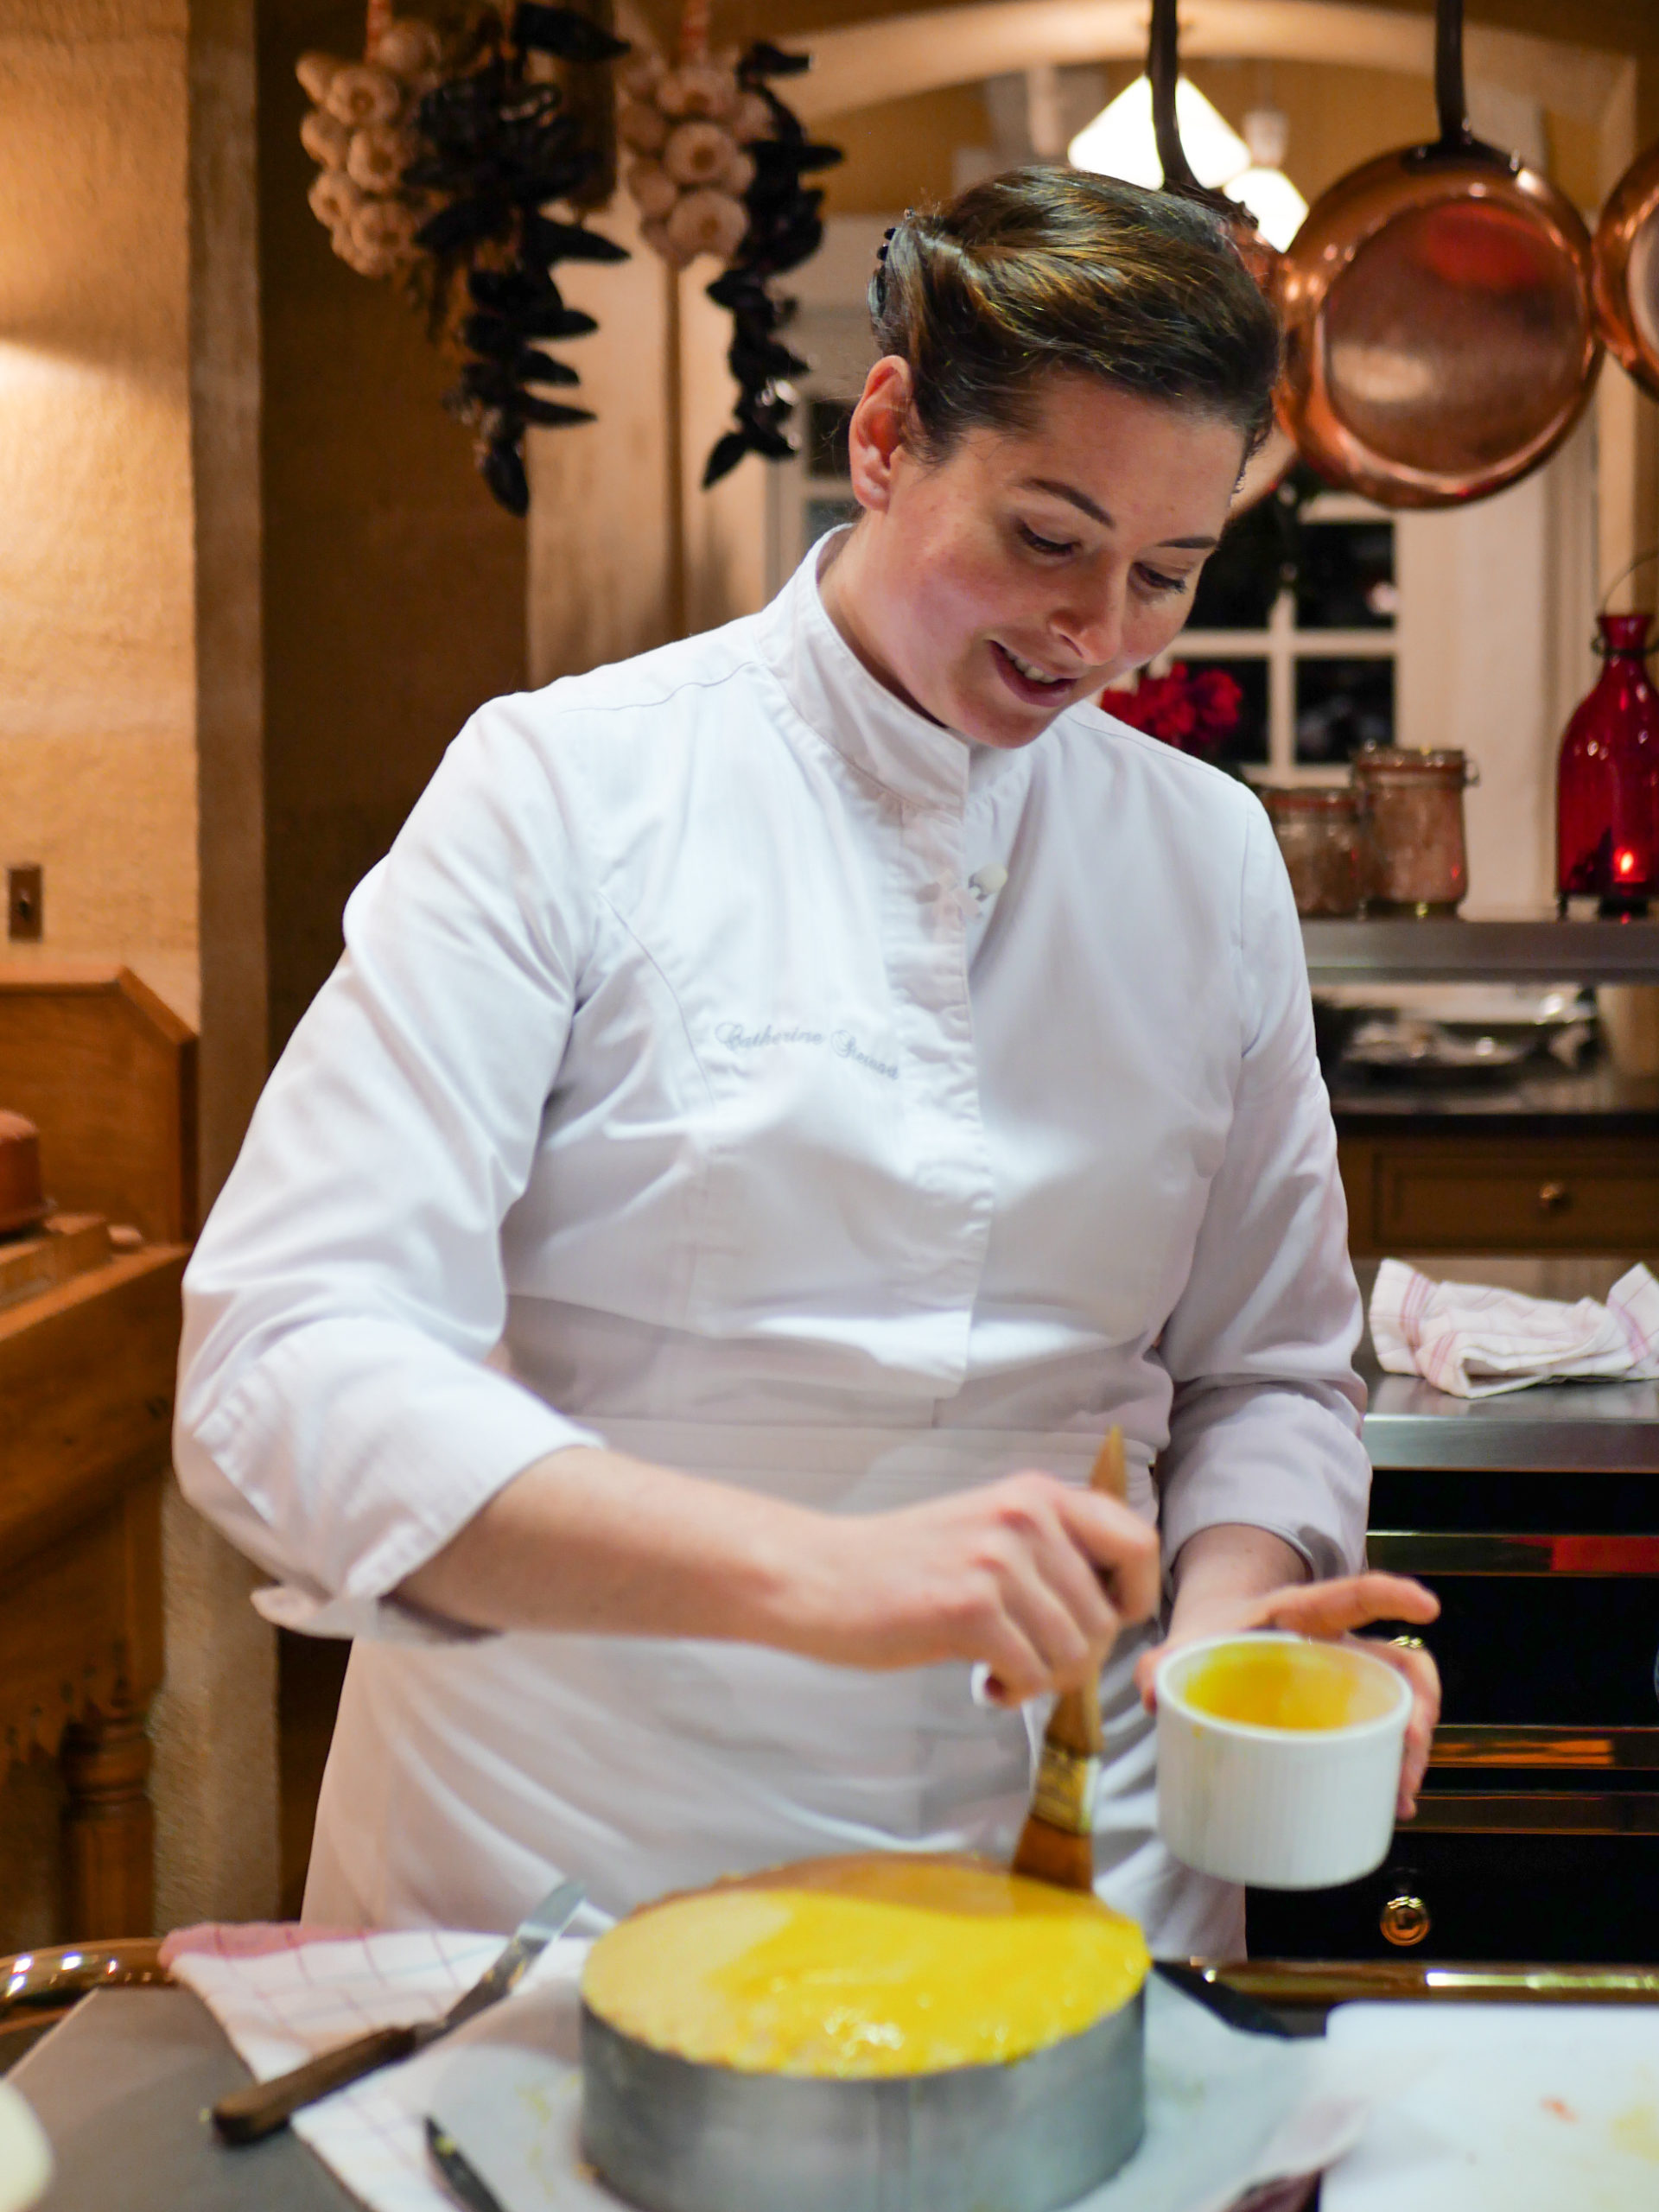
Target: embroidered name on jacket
<point>842,1042</point>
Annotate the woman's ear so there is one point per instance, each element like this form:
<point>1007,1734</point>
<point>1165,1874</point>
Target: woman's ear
<point>876,436</point>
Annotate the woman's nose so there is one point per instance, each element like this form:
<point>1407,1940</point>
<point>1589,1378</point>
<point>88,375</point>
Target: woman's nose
<point>1093,629</point>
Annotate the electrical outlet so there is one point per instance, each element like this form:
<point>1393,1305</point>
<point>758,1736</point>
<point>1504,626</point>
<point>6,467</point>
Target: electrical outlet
<point>25,903</point>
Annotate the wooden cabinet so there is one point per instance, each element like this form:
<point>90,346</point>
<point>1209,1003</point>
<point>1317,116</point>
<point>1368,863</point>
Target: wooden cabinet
<point>87,1380</point>
<point>1485,1191</point>
<point>86,1389</point>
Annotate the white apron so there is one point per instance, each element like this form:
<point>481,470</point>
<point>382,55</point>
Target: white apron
<point>465,1778</point>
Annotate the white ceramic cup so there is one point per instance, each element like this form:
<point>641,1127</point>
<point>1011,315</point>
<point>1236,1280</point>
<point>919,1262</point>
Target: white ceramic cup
<point>1285,1808</point>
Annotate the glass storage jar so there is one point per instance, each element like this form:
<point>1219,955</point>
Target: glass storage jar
<point>1418,863</point>
<point>1321,834</point>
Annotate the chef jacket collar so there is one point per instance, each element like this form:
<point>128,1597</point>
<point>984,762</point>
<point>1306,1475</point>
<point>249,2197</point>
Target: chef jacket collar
<point>915,759</point>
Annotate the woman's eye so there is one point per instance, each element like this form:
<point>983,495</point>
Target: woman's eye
<point>1154,581</point>
<point>1050,545</point>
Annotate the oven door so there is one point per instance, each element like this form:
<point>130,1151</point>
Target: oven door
<point>1537,1834</point>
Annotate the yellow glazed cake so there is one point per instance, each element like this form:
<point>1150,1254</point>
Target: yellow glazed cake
<point>878,1965</point>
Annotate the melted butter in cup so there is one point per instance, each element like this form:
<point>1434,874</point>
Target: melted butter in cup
<point>1279,1759</point>
<point>1266,1684</point>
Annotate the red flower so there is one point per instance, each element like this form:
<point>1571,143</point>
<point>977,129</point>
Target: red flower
<point>1195,713</point>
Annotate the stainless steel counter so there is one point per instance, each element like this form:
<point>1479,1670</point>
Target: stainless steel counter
<point>1561,1427</point>
<point>1449,951</point>
<point>1540,1099</point>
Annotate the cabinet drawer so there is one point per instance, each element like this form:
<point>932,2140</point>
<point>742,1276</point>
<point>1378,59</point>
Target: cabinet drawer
<point>1475,1197</point>
<point>1560,1898</point>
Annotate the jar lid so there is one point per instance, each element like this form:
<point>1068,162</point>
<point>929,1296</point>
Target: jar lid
<point>1409,760</point>
<point>1339,799</point>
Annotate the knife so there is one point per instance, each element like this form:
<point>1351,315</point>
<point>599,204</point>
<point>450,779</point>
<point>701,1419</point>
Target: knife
<point>263,2106</point>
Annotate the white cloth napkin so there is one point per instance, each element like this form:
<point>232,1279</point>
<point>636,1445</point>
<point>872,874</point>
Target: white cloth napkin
<point>282,1996</point>
<point>1474,1341</point>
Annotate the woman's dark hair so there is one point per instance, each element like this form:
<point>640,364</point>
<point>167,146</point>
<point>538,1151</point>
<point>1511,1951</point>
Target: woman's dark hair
<point>1046,269</point>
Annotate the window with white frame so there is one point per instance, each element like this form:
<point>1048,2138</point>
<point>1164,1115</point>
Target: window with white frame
<point>1299,606</point>
<point>811,494</point>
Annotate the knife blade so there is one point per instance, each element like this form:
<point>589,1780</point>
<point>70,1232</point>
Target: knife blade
<point>248,2115</point>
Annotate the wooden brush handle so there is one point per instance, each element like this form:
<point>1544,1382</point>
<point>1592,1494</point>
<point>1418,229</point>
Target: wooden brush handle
<point>1110,1473</point>
<point>1075,1722</point>
<point>1079,1710</point>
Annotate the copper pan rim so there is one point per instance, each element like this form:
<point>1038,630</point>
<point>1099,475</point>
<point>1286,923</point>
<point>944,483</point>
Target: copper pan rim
<point>1329,244</point>
<point>1459,433</point>
<point>1331,238</point>
<point>1349,465</point>
<point>1632,204</point>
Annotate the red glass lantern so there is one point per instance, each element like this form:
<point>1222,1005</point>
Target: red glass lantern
<point>1607,783</point>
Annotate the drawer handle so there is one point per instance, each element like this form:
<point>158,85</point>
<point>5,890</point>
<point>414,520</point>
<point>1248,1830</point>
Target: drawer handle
<point>1404,1920</point>
<point>1554,1198</point>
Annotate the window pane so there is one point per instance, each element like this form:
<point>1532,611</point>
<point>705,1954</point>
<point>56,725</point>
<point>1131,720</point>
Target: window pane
<point>1247,745</point>
<point>827,514</point>
<point>1241,578</point>
<point>826,437</point>
<point>1341,705</point>
<point>1346,578</point>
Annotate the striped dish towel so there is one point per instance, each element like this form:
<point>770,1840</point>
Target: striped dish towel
<point>283,1992</point>
<point>1474,1341</point>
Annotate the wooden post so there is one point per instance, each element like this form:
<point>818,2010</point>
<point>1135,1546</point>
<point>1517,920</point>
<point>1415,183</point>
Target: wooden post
<point>109,1835</point>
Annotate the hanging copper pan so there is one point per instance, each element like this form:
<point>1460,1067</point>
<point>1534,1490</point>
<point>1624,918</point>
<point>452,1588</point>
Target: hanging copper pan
<point>1440,337</point>
<point>1269,463</point>
<point>1627,271</point>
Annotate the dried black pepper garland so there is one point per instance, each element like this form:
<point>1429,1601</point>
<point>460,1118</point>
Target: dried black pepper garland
<point>785,230</point>
<point>499,150</point>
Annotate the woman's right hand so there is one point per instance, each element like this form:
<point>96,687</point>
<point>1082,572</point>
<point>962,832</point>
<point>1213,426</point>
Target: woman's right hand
<point>1030,1575</point>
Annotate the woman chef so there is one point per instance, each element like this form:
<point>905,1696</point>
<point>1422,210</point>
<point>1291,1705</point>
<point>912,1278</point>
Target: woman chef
<point>783,1098</point>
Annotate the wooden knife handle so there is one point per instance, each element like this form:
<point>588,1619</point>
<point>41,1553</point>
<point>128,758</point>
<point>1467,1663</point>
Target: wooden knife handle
<point>262,2108</point>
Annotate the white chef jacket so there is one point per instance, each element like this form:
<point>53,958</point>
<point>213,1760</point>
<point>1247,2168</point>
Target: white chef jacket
<point>695,1081</point>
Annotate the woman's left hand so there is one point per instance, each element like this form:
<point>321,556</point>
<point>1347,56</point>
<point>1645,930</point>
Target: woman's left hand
<point>1332,1610</point>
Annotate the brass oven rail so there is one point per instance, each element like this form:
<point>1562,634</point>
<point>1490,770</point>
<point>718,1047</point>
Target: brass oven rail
<point>1322,1982</point>
<point>1562,1750</point>
<point>1412,1551</point>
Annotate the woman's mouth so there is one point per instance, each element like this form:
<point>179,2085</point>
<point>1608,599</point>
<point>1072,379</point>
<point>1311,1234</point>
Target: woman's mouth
<point>1028,679</point>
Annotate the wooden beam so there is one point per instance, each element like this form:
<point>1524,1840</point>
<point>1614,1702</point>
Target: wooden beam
<point>897,55</point>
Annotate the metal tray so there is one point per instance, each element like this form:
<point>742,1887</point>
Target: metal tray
<point>673,2135</point>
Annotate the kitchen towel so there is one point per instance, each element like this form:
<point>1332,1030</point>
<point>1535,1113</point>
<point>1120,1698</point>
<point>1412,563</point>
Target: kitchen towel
<point>1474,1341</point>
<point>283,1992</point>
<point>1226,2111</point>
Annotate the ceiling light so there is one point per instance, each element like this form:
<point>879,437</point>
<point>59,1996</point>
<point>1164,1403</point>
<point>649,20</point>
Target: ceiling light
<point>1263,188</point>
<point>1121,142</point>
